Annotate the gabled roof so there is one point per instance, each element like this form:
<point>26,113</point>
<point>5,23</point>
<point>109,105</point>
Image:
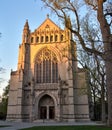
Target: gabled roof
<point>48,23</point>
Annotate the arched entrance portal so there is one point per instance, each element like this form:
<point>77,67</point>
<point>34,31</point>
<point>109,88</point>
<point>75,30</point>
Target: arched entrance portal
<point>46,108</point>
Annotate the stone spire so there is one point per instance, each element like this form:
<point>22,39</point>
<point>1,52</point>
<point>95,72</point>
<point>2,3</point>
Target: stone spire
<point>26,26</point>
<point>26,33</point>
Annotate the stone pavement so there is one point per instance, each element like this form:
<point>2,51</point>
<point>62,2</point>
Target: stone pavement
<point>20,125</point>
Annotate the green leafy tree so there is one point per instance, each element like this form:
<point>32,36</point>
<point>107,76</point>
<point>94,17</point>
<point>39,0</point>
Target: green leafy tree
<point>4,103</point>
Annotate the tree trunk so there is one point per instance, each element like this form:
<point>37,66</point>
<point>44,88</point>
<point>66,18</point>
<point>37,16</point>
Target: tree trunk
<point>107,40</point>
<point>103,100</point>
<point>109,88</point>
<point>94,101</point>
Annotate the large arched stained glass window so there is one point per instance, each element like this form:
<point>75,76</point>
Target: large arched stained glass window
<point>46,67</point>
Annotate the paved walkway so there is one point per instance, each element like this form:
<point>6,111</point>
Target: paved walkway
<point>20,125</point>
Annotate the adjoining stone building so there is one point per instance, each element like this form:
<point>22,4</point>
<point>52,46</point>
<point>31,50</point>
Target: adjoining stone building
<point>43,85</point>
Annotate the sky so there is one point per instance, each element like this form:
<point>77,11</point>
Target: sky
<point>13,15</point>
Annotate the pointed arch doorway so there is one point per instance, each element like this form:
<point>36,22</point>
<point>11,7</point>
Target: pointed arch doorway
<point>46,108</point>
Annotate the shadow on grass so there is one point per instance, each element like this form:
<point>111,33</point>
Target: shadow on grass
<point>69,128</point>
<point>5,126</point>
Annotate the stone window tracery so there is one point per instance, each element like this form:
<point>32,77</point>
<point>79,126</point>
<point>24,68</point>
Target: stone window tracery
<point>46,67</point>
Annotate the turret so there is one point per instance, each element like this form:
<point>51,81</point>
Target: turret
<point>26,33</point>
<point>24,48</point>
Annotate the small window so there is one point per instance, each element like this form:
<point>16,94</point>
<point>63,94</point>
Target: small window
<point>47,38</point>
<point>42,39</point>
<point>32,40</point>
<point>56,37</point>
<point>61,37</point>
<point>37,39</point>
<point>51,38</point>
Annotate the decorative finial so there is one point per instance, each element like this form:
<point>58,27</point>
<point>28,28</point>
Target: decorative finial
<point>26,20</point>
<point>47,15</point>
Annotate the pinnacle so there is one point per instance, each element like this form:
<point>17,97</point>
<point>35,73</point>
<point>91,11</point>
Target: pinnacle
<point>26,26</point>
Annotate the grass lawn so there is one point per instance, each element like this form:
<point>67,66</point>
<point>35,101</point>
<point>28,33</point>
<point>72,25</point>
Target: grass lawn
<point>69,128</point>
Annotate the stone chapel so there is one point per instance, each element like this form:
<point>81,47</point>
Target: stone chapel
<point>47,84</point>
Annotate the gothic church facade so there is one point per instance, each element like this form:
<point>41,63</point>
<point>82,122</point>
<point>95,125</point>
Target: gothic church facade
<point>47,83</point>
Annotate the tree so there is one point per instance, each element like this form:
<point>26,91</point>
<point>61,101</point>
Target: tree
<point>94,65</point>
<point>4,103</point>
<point>97,84</point>
<point>105,27</point>
<point>1,71</point>
<point>69,9</point>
